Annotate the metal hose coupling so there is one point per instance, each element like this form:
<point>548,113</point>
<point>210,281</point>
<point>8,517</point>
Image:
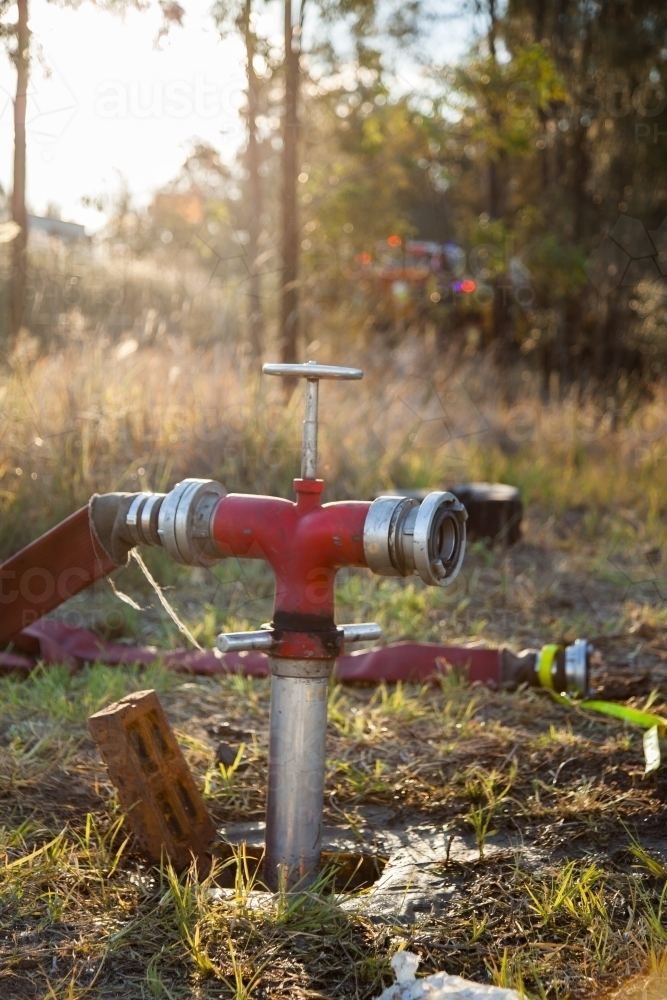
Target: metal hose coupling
<point>402,537</point>
<point>564,669</point>
<point>180,521</point>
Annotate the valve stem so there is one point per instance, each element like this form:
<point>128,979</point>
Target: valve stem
<point>309,444</point>
<point>312,372</point>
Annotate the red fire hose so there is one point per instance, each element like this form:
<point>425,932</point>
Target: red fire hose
<point>53,642</point>
<point>49,571</point>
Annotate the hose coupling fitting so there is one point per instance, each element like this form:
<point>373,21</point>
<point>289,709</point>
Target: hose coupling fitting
<point>403,536</point>
<point>180,521</point>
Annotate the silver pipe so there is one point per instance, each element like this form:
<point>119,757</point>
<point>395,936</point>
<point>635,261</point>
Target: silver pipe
<point>577,659</point>
<point>295,795</point>
<point>309,446</point>
<point>402,537</point>
<point>184,521</point>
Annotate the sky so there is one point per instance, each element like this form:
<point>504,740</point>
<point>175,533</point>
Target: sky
<point>108,106</point>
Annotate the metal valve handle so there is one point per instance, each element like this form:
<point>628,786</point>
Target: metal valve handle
<point>313,373</point>
<point>313,370</point>
<point>234,642</point>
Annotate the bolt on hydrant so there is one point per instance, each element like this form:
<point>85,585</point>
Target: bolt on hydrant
<point>306,543</point>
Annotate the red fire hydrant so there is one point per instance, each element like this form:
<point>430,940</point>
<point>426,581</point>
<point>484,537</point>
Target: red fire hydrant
<point>306,543</point>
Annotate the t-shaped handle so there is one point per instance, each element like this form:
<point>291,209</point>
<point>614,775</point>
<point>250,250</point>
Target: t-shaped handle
<point>312,372</point>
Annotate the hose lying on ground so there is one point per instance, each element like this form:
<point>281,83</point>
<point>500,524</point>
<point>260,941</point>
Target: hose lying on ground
<point>83,548</point>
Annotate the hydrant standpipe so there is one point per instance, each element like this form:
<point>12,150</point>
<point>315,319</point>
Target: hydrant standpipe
<point>306,543</point>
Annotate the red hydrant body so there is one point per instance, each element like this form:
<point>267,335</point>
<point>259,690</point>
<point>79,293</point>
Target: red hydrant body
<point>305,543</point>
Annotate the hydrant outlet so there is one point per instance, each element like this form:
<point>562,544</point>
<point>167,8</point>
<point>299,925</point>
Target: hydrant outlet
<point>402,537</point>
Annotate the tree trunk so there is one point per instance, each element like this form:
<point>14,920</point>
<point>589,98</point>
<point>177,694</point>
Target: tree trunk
<point>492,32</point>
<point>500,315</point>
<point>600,359</point>
<point>494,192</point>
<point>19,213</point>
<point>290,293</point>
<point>582,162</point>
<point>254,196</point>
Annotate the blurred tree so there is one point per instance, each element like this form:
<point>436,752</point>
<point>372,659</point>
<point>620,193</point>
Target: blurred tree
<point>19,33</point>
<point>254,187</point>
<point>548,132</point>
<point>361,20</point>
<point>596,156</point>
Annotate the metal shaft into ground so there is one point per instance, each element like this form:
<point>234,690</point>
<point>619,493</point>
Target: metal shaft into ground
<point>295,795</point>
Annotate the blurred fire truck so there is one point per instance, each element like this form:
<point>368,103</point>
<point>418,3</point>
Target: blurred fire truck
<point>415,273</point>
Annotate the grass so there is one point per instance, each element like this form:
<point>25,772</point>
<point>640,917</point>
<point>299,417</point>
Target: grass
<point>576,905</point>
<point>563,893</point>
<point>486,791</point>
<point>92,417</point>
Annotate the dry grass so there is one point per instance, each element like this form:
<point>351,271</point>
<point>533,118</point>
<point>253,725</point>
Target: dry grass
<point>95,418</point>
<point>89,417</point>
